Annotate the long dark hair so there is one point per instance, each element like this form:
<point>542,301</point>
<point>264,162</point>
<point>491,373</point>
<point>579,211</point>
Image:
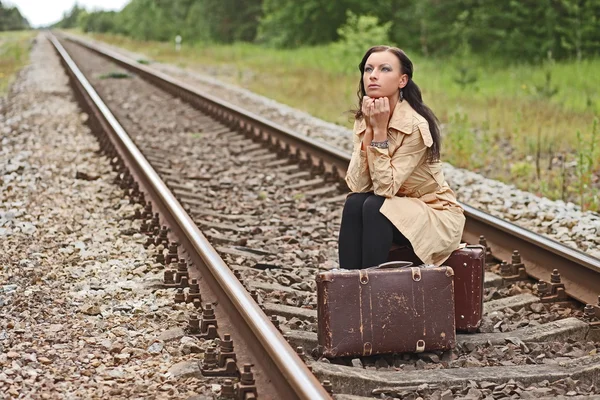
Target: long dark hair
<point>410,92</point>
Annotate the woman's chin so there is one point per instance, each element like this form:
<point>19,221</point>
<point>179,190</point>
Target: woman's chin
<point>375,94</point>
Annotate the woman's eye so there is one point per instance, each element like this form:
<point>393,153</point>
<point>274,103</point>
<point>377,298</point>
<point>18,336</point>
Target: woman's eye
<point>385,69</point>
<point>368,69</point>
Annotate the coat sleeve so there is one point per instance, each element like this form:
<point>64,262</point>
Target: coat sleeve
<point>388,172</point>
<point>357,176</point>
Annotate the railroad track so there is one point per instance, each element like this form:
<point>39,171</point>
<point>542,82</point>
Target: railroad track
<point>268,202</point>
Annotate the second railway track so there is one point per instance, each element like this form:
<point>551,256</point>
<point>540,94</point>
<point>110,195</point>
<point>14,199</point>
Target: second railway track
<point>274,221</point>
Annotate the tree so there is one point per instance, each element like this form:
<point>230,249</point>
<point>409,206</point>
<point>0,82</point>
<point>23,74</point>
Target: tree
<point>11,19</point>
<point>70,18</point>
<point>299,23</point>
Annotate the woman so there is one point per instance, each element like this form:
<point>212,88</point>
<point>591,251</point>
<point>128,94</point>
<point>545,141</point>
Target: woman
<point>399,194</point>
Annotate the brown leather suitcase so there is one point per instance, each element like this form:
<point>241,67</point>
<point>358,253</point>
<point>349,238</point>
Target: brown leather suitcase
<point>392,308</point>
<point>468,264</point>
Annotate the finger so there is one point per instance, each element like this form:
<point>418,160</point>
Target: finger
<point>365,105</point>
<point>379,105</point>
<point>386,104</point>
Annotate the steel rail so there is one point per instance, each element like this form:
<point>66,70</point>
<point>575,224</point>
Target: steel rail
<point>579,271</point>
<point>284,370</point>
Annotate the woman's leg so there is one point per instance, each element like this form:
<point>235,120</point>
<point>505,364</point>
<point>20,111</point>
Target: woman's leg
<point>350,240</point>
<point>378,233</point>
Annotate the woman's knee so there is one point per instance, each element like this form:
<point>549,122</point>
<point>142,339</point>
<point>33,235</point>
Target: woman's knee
<point>371,206</point>
<point>354,204</point>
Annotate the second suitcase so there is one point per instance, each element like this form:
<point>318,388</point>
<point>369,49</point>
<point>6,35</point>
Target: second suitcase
<point>468,264</point>
<point>385,310</point>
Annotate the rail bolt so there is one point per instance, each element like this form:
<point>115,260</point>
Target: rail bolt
<point>179,296</point>
<point>227,390</point>
<point>227,355</point>
<point>168,277</point>
<point>505,268</point>
<point>483,242</point>
<point>137,214</point>
<point>194,292</point>
<point>555,277</point>
<point>194,324</point>
<point>197,302</point>
<point>194,286</point>
<point>226,344</point>
<point>208,313</point>
<point>589,312</point>
<point>163,236</point>
<point>542,287</point>
<point>275,321</point>
<point>172,255</point>
<point>181,275</point>
<point>160,257</point>
<point>210,359</point>
<point>246,388</point>
<point>516,261</point>
<point>301,353</point>
<point>147,214</point>
<point>155,223</point>
<point>328,386</point>
<point>247,377</point>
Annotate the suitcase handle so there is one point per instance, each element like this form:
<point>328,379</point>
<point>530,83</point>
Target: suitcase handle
<point>393,264</point>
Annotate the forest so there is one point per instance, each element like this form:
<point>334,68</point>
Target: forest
<point>514,31</point>
<point>11,19</point>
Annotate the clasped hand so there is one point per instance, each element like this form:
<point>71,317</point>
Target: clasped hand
<point>377,114</point>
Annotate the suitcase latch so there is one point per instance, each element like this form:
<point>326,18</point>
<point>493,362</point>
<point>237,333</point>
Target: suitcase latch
<point>420,346</point>
<point>416,274</point>
<point>363,277</point>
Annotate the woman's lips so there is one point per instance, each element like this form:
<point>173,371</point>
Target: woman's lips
<point>373,86</point>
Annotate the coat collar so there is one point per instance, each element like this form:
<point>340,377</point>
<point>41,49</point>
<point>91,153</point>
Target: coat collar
<point>402,119</point>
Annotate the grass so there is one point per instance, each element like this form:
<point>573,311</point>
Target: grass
<point>14,55</point>
<point>515,123</point>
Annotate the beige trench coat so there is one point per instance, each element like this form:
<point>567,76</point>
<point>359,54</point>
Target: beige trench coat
<point>418,201</point>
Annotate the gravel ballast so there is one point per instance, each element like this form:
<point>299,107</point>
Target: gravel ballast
<point>77,317</point>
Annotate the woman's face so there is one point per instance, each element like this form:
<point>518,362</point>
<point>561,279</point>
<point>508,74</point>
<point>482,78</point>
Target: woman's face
<point>382,76</point>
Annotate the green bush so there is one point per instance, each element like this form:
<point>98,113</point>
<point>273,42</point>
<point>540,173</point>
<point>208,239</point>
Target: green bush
<point>357,35</point>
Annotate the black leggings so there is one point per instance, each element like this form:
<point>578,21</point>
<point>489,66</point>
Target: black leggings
<point>366,235</point>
